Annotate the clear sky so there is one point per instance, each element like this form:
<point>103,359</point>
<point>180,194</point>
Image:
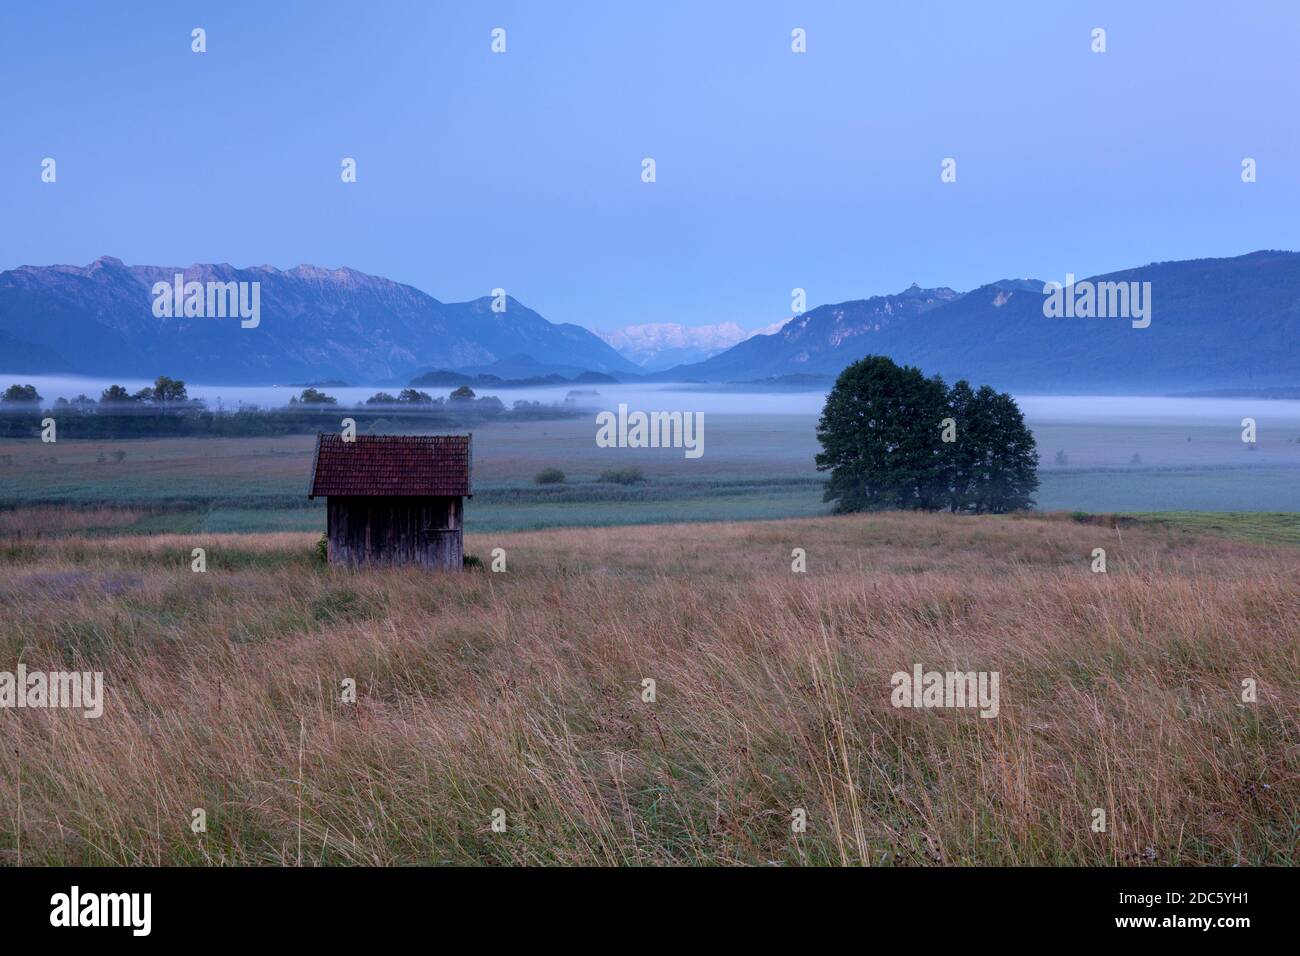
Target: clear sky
<point>774,169</point>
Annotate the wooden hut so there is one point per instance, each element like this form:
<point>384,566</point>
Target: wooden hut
<point>393,499</point>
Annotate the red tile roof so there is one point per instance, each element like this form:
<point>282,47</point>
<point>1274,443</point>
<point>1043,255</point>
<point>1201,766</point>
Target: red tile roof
<point>391,465</point>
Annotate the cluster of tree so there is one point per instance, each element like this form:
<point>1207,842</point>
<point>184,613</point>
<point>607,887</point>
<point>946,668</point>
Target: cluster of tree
<point>165,392</point>
<point>411,396</point>
<point>165,410</point>
<point>312,396</point>
<point>21,397</point>
<point>407,396</point>
<point>892,438</point>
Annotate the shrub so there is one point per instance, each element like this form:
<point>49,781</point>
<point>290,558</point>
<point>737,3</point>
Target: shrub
<point>623,476</point>
<point>549,476</point>
<point>322,549</point>
<point>471,562</point>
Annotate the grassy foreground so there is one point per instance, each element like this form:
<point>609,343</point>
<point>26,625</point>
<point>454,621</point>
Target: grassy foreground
<point>1261,527</point>
<point>523,691</point>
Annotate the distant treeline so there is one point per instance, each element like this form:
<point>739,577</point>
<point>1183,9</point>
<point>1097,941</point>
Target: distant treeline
<point>446,378</point>
<point>165,410</point>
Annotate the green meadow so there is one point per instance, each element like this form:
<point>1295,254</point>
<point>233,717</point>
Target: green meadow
<point>754,468</point>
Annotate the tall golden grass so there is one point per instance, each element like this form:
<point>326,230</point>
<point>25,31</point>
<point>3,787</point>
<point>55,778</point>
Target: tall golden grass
<point>41,520</point>
<point>523,691</point>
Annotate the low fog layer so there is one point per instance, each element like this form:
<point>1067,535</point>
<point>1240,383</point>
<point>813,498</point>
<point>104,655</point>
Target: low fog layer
<point>681,397</point>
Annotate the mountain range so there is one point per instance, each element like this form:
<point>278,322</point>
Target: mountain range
<point>315,323</point>
<point>1215,324</point>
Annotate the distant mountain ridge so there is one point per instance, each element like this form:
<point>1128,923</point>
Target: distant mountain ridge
<point>1229,323</point>
<point>315,323</point>
<point>1215,323</point>
<point>822,340</point>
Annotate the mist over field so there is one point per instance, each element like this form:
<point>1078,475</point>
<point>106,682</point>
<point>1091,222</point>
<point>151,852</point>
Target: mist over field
<point>1096,453</point>
<point>695,396</point>
<point>688,396</point>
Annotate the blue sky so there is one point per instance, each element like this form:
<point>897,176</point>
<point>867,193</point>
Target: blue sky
<point>775,170</point>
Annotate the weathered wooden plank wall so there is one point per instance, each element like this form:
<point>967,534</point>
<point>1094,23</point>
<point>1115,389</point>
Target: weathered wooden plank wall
<point>381,530</point>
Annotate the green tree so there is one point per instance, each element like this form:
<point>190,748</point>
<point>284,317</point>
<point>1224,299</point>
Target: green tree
<point>993,464</point>
<point>115,394</point>
<point>1011,460</point>
<point>880,437</point>
<point>311,396</point>
<point>169,390</point>
<point>21,395</point>
<point>462,393</point>
<point>963,457</point>
<point>82,403</point>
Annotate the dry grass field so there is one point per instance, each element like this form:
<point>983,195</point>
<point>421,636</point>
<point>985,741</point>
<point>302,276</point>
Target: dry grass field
<point>523,691</point>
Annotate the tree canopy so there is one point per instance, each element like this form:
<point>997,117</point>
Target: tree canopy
<point>893,439</point>
<point>312,396</point>
<point>21,395</point>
